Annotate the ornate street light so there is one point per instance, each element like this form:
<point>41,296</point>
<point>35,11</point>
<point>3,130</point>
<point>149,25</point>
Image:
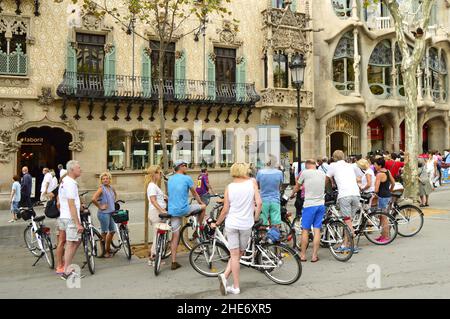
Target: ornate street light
<point>298,66</point>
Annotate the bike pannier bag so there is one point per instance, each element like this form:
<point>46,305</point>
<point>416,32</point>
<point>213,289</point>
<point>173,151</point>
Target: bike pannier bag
<point>51,210</point>
<point>120,216</point>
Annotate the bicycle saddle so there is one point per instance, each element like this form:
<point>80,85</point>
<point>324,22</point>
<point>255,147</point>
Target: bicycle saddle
<point>196,212</point>
<point>165,216</point>
<point>366,196</point>
<point>39,218</point>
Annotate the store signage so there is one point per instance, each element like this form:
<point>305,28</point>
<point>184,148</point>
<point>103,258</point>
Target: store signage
<point>140,153</point>
<point>115,153</point>
<point>32,140</point>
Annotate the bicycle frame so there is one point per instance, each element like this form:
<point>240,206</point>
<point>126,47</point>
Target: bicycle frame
<point>246,260</point>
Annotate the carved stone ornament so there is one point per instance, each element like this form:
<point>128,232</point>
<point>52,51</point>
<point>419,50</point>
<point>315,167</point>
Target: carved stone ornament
<point>13,109</point>
<point>46,98</point>
<point>90,19</point>
<point>108,47</point>
<point>179,54</point>
<point>76,146</point>
<point>239,60</point>
<point>148,51</point>
<point>284,97</point>
<point>7,146</point>
<point>212,56</point>
<point>228,33</point>
<point>266,115</point>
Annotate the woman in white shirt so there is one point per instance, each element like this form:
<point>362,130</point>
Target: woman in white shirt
<point>157,204</point>
<point>239,213</point>
<point>367,176</point>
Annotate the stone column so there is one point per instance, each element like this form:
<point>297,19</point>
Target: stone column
<point>396,136</point>
<point>290,55</point>
<point>428,73</point>
<point>218,148</point>
<point>394,70</point>
<point>151,150</point>
<point>441,85</point>
<point>128,154</point>
<point>270,68</point>
<point>420,118</point>
<point>447,134</point>
<point>356,63</point>
<point>322,147</point>
<point>355,11</point>
<point>364,137</point>
<point>197,149</point>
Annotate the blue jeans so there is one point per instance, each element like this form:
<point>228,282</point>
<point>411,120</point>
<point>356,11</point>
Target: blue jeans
<point>107,224</point>
<point>15,207</point>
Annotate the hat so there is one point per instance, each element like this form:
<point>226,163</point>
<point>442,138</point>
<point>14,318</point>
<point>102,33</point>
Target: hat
<point>178,163</point>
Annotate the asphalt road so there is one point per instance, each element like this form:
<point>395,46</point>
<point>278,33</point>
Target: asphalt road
<point>415,267</point>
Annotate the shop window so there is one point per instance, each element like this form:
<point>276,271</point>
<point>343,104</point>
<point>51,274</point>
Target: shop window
<point>116,140</point>
<point>140,142</point>
<point>280,70</point>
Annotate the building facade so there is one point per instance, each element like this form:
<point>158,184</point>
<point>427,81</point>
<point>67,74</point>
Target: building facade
<point>76,86</point>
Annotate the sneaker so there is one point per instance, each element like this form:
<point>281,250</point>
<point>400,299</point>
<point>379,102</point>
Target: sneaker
<point>151,263</point>
<point>60,271</point>
<point>175,266</point>
<point>356,250</point>
<point>223,284</point>
<point>383,240</point>
<point>379,238</point>
<point>342,249</point>
<point>233,291</point>
<point>11,221</point>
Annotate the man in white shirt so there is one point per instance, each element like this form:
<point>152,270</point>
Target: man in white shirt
<point>69,219</point>
<point>348,191</point>
<point>45,186</point>
<point>62,172</point>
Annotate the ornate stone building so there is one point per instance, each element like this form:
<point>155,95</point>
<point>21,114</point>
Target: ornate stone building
<point>75,86</point>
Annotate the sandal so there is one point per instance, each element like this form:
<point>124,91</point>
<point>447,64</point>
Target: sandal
<point>106,255</point>
<point>315,260</point>
<point>303,260</point>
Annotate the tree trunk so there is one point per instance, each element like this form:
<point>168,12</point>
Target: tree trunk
<point>162,123</point>
<point>411,135</point>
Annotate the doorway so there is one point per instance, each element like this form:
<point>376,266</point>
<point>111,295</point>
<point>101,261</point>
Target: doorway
<point>339,141</point>
<point>43,147</point>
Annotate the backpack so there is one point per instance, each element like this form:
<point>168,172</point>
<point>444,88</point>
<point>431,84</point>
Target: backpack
<point>51,209</point>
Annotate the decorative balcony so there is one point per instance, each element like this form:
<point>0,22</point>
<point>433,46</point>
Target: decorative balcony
<point>285,98</point>
<point>136,88</point>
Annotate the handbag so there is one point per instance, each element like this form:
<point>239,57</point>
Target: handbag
<point>51,209</point>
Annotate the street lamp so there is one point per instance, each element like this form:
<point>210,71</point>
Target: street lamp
<point>297,67</point>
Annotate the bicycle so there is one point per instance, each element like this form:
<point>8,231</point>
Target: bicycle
<point>210,258</point>
<point>121,218</point>
<point>162,243</point>
<point>335,234</point>
<point>370,222</point>
<point>193,232</point>
<point>408,217</point>
<point>37,236</point>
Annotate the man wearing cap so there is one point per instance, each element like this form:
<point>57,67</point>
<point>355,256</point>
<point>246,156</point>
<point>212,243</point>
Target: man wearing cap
<point>179,186</point>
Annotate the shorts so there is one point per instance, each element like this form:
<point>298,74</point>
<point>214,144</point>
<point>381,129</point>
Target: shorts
<point>237,239</point>
<point>68,225</point>
<point>313,217</point>
<point>176,221</point>
<point>349,205</point>
<point>107,224</point>
<point>15,207</point>
<point>205,198</point>
<point>383,202</point>
<point>272,211</point>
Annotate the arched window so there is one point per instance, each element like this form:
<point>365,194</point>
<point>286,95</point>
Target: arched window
<point>280,70</point>
<point>116,140</point>
<point>438,78</point>
<point>140,142</point>
<point>379,69</point>
<point>343,72</point>
<point>343,8</point>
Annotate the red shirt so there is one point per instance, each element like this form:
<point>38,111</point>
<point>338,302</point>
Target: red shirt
<point>394,166</point>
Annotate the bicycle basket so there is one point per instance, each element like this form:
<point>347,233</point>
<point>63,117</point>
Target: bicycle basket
<point>163,226</point>
<point>26,213</point>
<point>120,216</point>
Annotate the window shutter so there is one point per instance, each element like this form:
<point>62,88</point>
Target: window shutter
<point>240,80</point>
<point>211,79</point>
<point>71,68</point>
<point>146,78</point>
<point>180,76</point>
<point>110,72</point>
<point>294,6</point>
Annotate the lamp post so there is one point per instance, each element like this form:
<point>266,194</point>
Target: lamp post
<point>297,67</point>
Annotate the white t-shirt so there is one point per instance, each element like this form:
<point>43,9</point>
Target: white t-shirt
<point>242,205</point>
<point>345,178</point>
<point>53,184</point>
<point>68,190</point>
<point>62,172</point>
<point>154,190</point>
<point>363,174</point>
<point>46,182</point>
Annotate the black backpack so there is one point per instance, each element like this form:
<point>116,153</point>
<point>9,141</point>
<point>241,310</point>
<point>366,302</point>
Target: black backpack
<point>51,209</point>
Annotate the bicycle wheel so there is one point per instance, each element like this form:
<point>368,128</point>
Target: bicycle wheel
<point>287,234</point>
<point>89,252</point>
<point>160,243</point>
<point>48,251</point>
<point>31,241</point>
<point>409,220</point>
<point>208,259</point>
<point>376,224</point>
<point>125,241</point>
<point>167,250</point>
<point>338,236</point>
<point>281,263</point>
<point>189,236</point>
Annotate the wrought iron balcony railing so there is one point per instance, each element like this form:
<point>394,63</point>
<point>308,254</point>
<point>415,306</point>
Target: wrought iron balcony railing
<point>97,86</point>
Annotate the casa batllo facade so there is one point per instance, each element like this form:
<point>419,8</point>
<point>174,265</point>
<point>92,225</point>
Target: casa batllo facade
<point>73,86</point>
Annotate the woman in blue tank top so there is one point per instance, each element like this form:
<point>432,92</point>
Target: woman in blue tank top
<point>105,198</point>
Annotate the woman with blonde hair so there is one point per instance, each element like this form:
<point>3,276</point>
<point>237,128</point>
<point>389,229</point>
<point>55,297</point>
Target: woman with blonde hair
<point>157,204</point>
<point>239,213</point>
<point>105,198</point>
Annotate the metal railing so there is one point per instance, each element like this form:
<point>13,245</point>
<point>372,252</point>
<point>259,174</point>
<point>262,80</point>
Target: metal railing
<point>14,63</point>
<point>84,85</point>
